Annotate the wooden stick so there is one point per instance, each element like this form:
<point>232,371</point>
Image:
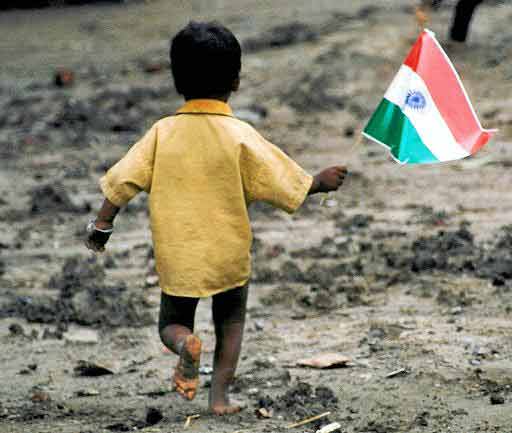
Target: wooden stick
<point>189,420</point>
<point>357,143</point>
<point>327,199</point>
<point>308,420</point>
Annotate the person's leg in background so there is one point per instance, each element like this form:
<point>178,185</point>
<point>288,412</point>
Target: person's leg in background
<point>462,19</point>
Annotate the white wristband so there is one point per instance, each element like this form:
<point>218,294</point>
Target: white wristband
<point>91,227</point>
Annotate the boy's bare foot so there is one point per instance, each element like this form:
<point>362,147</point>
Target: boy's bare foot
<point>186,375</point>
<point>227,407</point>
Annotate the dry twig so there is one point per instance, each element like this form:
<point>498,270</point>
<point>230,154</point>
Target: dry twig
<point>308,420</point>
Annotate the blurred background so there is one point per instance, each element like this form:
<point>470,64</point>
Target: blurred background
<point>408,274</point>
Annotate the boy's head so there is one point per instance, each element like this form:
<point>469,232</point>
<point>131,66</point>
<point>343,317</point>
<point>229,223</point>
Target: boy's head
<point>206,59</point>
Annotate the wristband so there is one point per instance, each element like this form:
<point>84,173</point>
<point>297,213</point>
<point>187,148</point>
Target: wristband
<point>91,227</point>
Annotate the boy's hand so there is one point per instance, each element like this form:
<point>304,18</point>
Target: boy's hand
<point>100,230</point>
<point>329,179</point>
<point>98,233</point>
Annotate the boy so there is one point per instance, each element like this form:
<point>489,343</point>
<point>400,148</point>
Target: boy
<point>202,167</point>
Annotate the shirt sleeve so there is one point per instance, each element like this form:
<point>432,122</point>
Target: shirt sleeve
<point>133,173</point>
<point>269,175</point>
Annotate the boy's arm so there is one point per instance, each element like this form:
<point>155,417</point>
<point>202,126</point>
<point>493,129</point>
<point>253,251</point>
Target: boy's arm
<point>132,174</point>
<point>329,179</point>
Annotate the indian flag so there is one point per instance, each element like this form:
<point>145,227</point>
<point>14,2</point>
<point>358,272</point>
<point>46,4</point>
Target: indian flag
<point>426,115</point>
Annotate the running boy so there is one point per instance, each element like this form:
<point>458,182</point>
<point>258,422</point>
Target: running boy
<point>202,167</point>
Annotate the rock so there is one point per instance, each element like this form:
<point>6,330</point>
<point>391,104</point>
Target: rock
<point>90,392</point>
<point>399,372</point>
<point>91,369</point>
<point>82,336</point>
<point>263,413</point>
<point>325,360</point>
<point>456,310</point>
<point>497,399</point>
<point>16,329</point>
<point>153,416</point>
<point>259,325</point>
<point>329,428</point>
<point>422,419</point>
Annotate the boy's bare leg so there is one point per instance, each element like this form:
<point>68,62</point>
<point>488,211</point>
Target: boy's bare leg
<point>229,318</point>
<point>176,326</point>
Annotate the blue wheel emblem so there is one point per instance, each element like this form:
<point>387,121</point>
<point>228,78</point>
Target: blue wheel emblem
<point>416,100</point>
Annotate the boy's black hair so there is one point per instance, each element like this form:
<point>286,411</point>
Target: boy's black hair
<point>206,59</point>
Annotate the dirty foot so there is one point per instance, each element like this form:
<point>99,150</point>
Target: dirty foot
<point>186,375</point>
<point>227,408</point>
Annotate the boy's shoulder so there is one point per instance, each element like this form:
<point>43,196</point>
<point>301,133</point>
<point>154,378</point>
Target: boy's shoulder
<point>233,124</point>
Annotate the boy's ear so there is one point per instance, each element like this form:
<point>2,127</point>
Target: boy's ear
<point>236,84</point>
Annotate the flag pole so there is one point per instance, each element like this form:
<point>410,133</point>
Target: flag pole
<point>327,199</point>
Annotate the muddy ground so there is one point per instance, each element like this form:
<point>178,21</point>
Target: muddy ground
<point>410,271</point>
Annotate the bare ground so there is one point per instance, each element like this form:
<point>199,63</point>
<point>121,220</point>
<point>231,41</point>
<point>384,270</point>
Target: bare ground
<point>410,271</point>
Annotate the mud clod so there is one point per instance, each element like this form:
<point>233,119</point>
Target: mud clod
<point>48,199</point>
<point>83,298</point>
<point>281,36</point>
<point>301,400</point>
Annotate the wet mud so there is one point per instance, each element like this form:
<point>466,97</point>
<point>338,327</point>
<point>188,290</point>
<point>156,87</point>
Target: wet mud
<point>408,273</point>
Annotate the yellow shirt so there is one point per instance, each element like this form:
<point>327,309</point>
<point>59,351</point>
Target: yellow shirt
<point>202,168</point>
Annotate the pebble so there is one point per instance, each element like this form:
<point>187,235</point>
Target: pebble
<point>82,336</point>
<point>456,310</point>
<point>497,399</point>
<point>90,392</point>
<point>16,329</point>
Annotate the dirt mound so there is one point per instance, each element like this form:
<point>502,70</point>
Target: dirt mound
<point>52,198</point>
<point>65,120</point>
<point>322,87</point>
<point>441,251</point>
<point>280,36</point>
<point>83,298</point>
<point>36,4</point>
<point>496,262</point>
<point>301,400</point>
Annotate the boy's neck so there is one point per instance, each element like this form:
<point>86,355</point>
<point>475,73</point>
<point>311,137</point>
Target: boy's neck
<point>222,98</point>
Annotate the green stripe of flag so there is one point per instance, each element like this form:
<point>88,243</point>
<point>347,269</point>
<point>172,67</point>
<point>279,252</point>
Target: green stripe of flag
<point>391,127</point>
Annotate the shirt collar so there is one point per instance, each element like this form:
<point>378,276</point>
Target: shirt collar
<point>205,106</point>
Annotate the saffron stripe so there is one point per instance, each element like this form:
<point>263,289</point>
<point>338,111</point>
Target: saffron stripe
<point>431,63</point>
<point>390,127</point>
<point>427,120</point>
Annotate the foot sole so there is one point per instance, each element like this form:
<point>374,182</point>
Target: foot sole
<point>186,375</point>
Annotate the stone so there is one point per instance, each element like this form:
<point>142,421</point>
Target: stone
<point>82,336</point>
